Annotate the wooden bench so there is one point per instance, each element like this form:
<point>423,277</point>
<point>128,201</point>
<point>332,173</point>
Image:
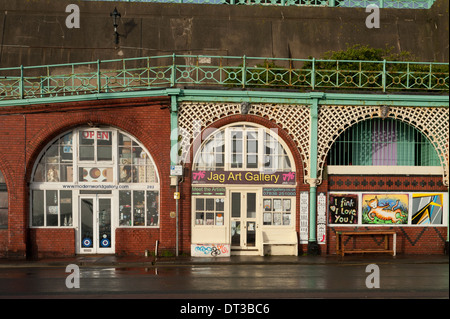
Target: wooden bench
<point>340,246</point>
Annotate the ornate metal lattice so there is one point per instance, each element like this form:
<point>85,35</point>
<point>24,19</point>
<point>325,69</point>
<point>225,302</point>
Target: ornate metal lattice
<point>332,121</point>
<point>432,122</point>
<point>294,119</point>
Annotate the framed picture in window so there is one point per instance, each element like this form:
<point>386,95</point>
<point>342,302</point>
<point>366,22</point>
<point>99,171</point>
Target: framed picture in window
<point>267,203</point>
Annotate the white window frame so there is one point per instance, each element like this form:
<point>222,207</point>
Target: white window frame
<point>244,127</point>
<point>77,186</point>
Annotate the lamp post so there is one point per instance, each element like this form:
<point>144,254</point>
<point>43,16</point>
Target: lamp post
<point>115,15</point>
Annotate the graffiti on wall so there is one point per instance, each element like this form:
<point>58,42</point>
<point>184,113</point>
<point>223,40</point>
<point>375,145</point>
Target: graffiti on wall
<point>343,209</point>
<point>385,208</point>
<point>427,209</point>
<point>210,250</point>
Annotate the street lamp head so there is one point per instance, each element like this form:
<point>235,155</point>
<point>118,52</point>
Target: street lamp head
<point>115,15</point>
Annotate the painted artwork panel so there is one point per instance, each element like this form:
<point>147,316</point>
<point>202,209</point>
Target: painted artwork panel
<point>343,209</point>
<point>427,209</point>
<point>385,208</point>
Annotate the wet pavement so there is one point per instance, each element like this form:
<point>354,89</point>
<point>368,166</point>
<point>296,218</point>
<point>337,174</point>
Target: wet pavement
<point>241,277</point>
<point>142,261</point>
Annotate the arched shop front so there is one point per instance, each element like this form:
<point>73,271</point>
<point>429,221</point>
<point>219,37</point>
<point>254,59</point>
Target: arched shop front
<point>94,181</point>
<point>243,193</point>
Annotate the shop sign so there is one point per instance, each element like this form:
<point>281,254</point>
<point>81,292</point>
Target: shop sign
<point>272,191</point>
<point>101,135</point>
<point>243,177</point>
<point>176,170</point>
<point>214,191</point>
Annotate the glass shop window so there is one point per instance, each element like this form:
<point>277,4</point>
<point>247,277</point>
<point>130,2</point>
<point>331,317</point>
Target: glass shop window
<point>95,146</point>
<point>138,208</point>
<point>51,208</point>
<point>135,166</point>
<point>277,211</point>
<point>56,165</point>
<point>243,147</point>
<point>209,211</point>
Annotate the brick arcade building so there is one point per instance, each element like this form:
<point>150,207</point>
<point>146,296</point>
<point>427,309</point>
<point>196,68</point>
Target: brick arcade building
<point>275,159</point>
<point>46,148</point>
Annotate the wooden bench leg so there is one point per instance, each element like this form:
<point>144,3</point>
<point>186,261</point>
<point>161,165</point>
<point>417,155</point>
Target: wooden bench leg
<point>337,244</point>
<point>342,246</point>
<point>394,244</point>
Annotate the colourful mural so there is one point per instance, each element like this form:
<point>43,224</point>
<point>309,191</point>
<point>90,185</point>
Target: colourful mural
<point>385,208</point>
<point>427,209</point>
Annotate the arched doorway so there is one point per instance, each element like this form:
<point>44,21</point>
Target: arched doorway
<point>243,193</point>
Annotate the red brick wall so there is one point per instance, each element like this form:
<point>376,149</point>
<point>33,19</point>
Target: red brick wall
<point>135,241</point>
<point>25,131</point>
<point>3,242</point>
<point>51,242</point>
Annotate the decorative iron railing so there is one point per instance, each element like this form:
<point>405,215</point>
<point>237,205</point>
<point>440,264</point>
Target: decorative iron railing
<point>399,4</point>
<point>145,73</point>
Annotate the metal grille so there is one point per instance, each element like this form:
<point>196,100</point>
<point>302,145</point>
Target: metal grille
<point>137,74</point>
<point>432,123</point>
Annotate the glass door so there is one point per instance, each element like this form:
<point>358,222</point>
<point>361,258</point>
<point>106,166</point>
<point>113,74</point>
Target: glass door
<point>244,222</point>
<point>95,229</point>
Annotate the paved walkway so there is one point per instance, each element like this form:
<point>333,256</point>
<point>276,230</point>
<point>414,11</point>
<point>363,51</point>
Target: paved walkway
<point>138,261</point>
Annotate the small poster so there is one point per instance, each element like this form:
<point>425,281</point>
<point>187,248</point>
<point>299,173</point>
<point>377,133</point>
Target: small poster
<point>286,219</point>
<point>267,218</point>
<point>219,219</point>
<point>277,218</point>
<point>277,205</point>
<point>267,205</point>
<point>343,209</point>
<point>287,204</point>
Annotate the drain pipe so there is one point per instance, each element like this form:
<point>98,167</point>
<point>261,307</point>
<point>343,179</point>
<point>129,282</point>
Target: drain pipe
<point>313,247</point>
<point>448,222</point>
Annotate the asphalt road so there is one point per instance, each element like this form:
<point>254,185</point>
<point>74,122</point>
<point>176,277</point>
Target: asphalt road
<point>230,281</point>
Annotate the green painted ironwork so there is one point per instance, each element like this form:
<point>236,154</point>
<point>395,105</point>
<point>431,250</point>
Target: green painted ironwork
<point>136,74</point>
<point>398,4</point>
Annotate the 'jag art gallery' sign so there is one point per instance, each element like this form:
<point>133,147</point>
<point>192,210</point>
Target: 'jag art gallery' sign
<point>243,177</point>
